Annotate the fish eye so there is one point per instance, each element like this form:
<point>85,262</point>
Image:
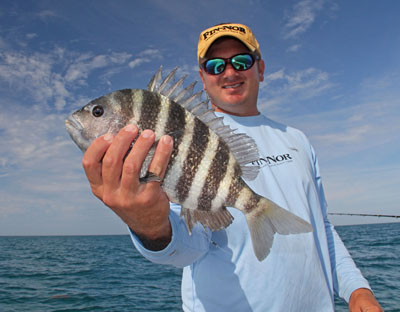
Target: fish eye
<point>98,111</point>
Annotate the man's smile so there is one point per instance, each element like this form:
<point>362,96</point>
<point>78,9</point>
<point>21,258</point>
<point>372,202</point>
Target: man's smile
<point>232,86</point>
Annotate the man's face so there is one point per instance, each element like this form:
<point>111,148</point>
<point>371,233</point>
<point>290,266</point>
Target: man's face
<point>233,92</point>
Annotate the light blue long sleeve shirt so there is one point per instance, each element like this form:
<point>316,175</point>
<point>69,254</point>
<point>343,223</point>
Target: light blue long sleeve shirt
<point>301,273</point>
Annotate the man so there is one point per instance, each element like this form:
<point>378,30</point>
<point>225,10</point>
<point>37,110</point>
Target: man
<point>221,272</point>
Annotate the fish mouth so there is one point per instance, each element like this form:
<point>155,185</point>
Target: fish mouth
<point>75,129</point>
<point>72,124</point>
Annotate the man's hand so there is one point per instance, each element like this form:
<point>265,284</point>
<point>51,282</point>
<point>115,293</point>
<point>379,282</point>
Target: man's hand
<point>362,300</point>
<point>115,180</point>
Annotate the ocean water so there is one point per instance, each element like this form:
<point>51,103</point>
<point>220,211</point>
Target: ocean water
<point>375,249</point>
<point>105,273</point>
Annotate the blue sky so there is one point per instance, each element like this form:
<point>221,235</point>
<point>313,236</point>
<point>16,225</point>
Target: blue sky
<point>333,71</point>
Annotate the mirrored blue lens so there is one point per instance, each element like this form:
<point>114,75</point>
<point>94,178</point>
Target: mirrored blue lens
<point>242,61</point>
<point>239,62</point>
<point>215,66</point>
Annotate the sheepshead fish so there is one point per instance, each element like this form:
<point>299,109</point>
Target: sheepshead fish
<point>207,168</point>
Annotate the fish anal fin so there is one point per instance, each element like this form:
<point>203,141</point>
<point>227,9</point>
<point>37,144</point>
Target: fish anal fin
<point>209,219</point>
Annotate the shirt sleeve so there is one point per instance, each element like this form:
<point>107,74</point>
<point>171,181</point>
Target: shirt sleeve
<point>183,249</point>
<point>346,276</point>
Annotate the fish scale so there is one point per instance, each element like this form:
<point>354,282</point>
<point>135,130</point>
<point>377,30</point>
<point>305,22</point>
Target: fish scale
<point>209,162</point>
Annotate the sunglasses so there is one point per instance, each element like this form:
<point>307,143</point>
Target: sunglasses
<point>239,62</point>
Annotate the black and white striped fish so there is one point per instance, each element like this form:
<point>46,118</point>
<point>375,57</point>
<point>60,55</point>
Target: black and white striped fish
<point>208,163</point>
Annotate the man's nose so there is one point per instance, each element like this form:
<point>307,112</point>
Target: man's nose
<point>229,70</point>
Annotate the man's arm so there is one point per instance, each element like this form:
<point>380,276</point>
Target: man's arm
<point>350,283</point>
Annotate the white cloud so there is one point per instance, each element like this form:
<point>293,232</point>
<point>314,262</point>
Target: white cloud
<point>145,56</point>
<point>79,70</point>
<point>154,53</point>
<point>45,14</point>
<point>137,62</point>
<point>32,72</point>
<point>280,87</point>
<point>348,136</point>
<point>301,17</point>
<point>119,57</point>
<point>294,48</point>
<point>49,78</point>
<point>31,35</point>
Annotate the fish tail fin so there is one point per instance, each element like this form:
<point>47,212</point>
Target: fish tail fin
<point>266,220</point>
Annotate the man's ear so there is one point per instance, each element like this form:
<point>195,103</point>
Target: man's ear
<point>261,69</point>
<point>202,79</point>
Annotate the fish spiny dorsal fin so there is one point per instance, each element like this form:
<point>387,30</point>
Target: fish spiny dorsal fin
<point>192,100</point>
<point>175,88</point>
<point>242,146</point>
<point>155,81</point>
<point>200,108</point>
<point>185,93</point>
<point>166,84</point>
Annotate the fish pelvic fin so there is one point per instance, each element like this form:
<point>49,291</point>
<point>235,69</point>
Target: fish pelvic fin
<point>266,220</point>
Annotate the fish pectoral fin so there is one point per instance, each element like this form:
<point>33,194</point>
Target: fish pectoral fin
<point>144,171</point>
<point>150,177</point>
<point>213,220</point>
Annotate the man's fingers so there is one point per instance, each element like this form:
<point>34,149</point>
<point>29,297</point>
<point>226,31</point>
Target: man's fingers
<point>92,158</point>
<point>113,159</point>
<point>134,161</point>
<point>159,164</point>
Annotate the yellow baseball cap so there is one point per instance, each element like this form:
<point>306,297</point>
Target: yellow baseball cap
<point>238,31</point>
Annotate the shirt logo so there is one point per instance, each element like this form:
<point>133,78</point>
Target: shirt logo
<point>273,160</point>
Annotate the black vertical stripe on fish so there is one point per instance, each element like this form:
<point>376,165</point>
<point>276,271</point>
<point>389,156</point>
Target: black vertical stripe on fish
<point>150,110</point>
<point>216,174</point>
<point>235,187</point>
<point>175,123</point>
<point>176,118</point>
<point>124,96</point>
<point>195,154</point>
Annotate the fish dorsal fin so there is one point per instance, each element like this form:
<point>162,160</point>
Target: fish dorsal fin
<point>243,147</point>
<point>185,93</point>
<point>155,82</point>
<point>166,85</point>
